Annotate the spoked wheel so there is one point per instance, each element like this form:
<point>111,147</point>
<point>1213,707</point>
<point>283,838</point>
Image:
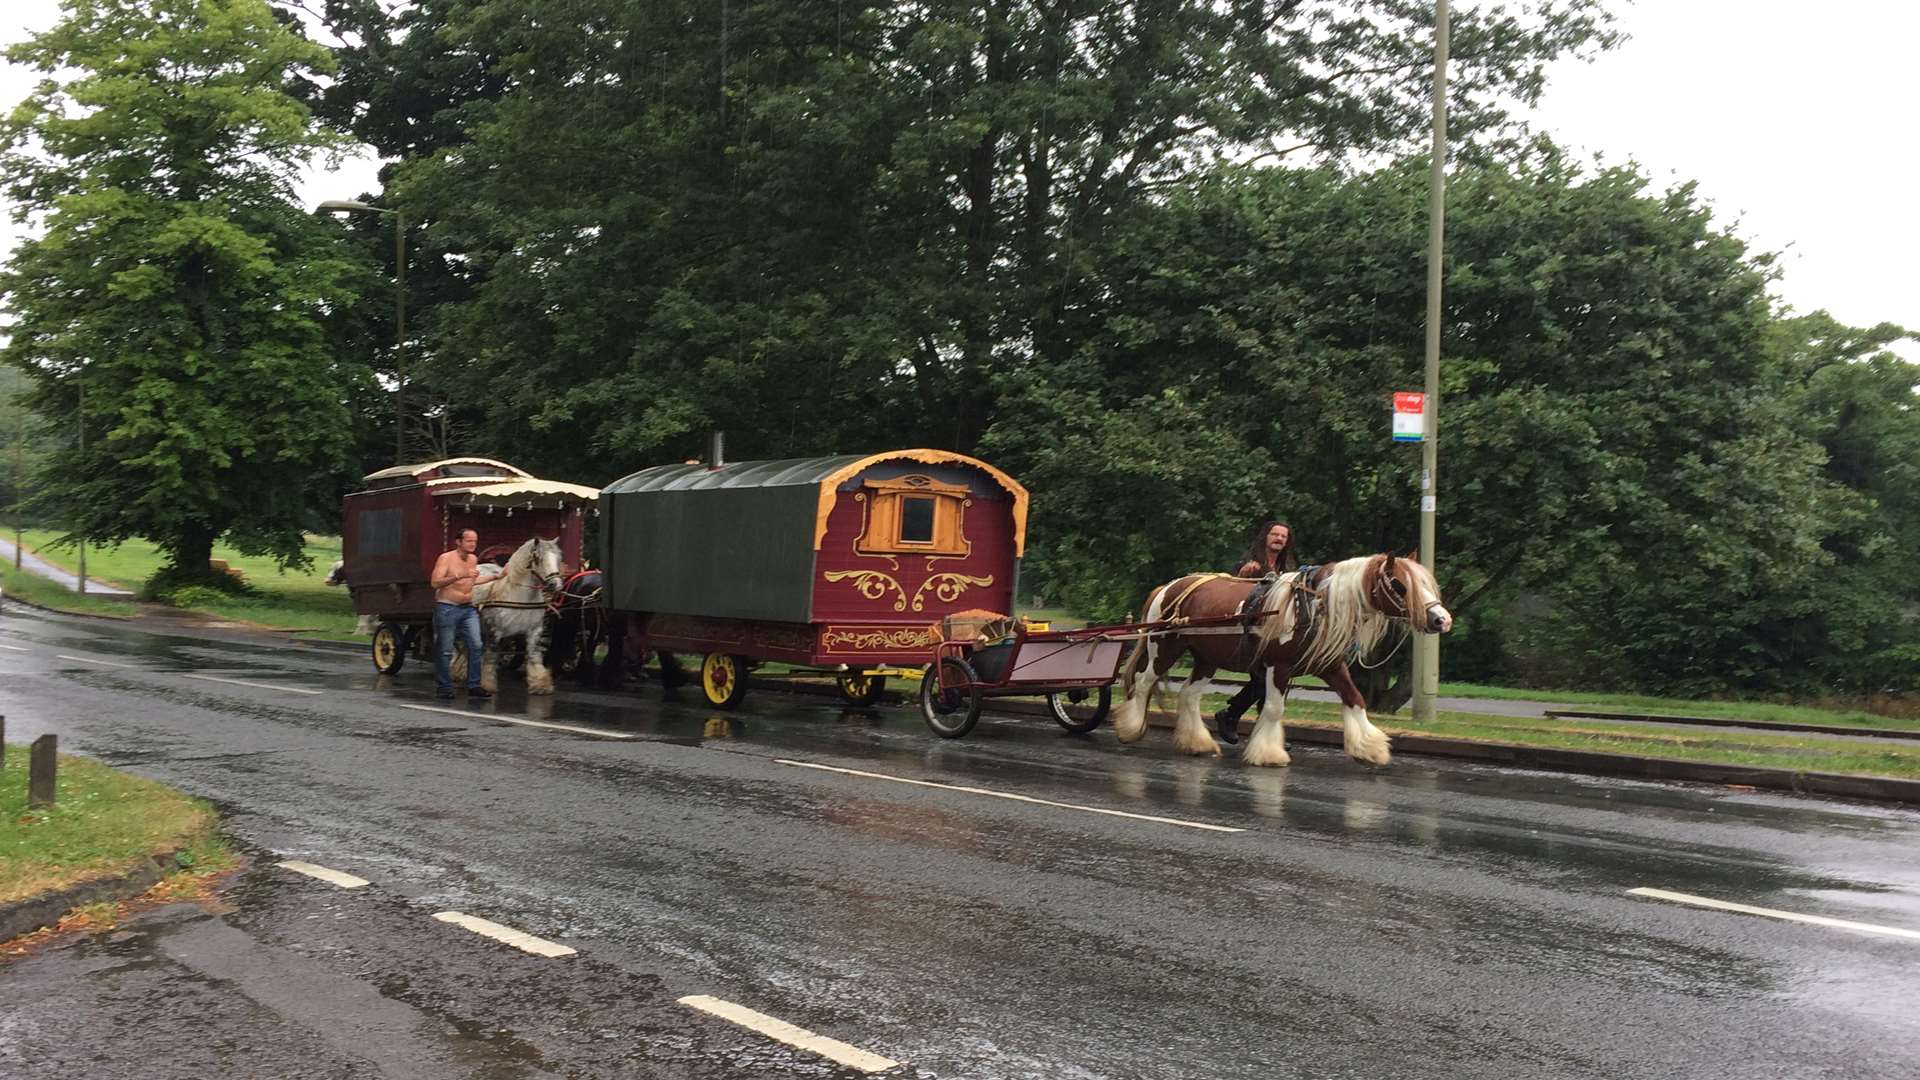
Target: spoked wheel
<point>389,648</point>
<point>723,677</point>
<point>860,689</point>
<point>1080,711</point>
<point>952,711</point>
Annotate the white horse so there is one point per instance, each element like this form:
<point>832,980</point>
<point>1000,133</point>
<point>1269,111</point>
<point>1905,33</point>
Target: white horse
<point>514,604</point>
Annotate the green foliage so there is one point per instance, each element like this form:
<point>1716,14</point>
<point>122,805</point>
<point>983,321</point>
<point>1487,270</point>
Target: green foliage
<point>825,226</point>
<point>1622,435</point>
<point>176,309</point>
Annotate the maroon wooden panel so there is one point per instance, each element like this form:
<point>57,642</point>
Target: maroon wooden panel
<point>390,539</point>
<point>696,635</point>
<point>915,590</point>
<point>500,533</point>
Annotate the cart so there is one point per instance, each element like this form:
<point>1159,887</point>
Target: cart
<point>1074,669</point>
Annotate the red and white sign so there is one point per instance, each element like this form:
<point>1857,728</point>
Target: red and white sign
<point>1409,417</point>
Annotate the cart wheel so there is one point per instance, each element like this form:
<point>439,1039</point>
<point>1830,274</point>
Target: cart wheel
<point>950,712</point>
<point>1073,710</point>
<point>860,689</point>
<point>389,648</point>
<point>724,678</point>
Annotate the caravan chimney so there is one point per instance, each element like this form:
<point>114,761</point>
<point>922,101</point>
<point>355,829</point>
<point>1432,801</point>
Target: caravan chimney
<point>716,450</point>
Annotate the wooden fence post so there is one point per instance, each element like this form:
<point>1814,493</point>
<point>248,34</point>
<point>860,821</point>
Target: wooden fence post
<point>40,772</point>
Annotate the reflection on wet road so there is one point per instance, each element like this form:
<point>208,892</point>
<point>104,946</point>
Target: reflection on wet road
<point>976,920</point>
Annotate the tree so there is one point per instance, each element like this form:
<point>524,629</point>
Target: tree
<point>23,442</point>
<point>1621,434</point>
<point>175,314</point>
<point>829,225</point>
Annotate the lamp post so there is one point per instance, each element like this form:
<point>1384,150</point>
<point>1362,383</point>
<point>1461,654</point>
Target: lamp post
<point>352,206</point>
<point>1426,647</point>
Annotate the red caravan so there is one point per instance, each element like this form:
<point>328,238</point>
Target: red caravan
<point>392,532</point>
<point>844,562</point>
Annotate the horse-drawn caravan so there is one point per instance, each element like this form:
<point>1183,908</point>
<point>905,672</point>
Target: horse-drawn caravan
<point>394,530</point>
<point>846,563</point>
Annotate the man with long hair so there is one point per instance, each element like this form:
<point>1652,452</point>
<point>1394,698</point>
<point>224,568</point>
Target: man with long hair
<point>1271,552</point>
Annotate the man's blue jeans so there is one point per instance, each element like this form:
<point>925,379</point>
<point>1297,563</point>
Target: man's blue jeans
<point>450,620</point>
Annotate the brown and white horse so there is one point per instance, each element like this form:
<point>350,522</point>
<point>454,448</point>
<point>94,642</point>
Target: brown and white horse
<point>1351,605</point>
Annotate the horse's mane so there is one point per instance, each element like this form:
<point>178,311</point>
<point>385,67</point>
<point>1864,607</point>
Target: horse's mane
<point>1343,620</point>
<point>516,569</point>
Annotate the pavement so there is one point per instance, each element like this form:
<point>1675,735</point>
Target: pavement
<point>34,564</point>
<point>1020,903</point>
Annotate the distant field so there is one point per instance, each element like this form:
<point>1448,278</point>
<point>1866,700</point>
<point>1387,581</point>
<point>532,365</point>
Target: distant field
<point>295,600</point>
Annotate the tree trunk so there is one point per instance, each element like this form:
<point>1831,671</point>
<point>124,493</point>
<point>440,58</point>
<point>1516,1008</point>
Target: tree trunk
<point>192,551</point>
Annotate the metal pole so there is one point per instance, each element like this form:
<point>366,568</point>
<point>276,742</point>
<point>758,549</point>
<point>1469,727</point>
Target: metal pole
<point>399,338</point>
<point>82,588</point>
<point>1426,647</point>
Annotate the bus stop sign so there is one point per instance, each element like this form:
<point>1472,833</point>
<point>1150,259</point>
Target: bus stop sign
<point>1409,417</point>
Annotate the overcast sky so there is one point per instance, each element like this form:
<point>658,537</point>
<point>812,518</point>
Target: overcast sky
<point>1796,119</point>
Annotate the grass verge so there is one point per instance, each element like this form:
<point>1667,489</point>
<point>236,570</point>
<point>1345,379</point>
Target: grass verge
<point>1788,750</point>
<point>287,600</point>
<point>102,823</point>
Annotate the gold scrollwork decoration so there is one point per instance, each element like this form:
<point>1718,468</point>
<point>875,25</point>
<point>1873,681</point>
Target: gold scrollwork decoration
<point>947,587</point>
<point>836,640</point>
<point>872,584</point>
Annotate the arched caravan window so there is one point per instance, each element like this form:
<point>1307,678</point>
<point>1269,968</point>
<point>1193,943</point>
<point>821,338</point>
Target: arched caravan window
<point>913,515</point>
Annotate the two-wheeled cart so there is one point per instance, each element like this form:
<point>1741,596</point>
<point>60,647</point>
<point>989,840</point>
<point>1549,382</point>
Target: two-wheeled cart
<point>1073,669</point>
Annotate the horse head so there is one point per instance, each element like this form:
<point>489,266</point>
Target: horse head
<point>546,565</point>
<point>1402,588</point>
<point>337,573</point>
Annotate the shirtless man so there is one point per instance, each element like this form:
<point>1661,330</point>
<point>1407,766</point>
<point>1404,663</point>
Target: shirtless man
<point>454,575</point>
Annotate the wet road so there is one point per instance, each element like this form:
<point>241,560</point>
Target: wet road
<point>1425,920</point>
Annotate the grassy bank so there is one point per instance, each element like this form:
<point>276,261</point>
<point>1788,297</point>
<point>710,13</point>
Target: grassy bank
<point>18,584</point>
<point>102,823</point>
<point>295,600</point>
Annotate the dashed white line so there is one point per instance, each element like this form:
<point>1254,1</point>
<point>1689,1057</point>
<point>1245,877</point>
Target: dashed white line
<point>504,934</point>
<point>1774,913</point>
<point>93,660</point>
<point>334,877</point>
<point>595,732</point>
<point>13,648</point>
<point>1008,795</point>
<point>773,1028</point>
<point>255,685</point>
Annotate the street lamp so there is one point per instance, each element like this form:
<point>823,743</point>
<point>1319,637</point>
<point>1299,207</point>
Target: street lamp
<point>353,206</point>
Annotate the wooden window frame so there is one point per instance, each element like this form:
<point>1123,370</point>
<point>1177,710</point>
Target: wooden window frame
<point>882,518</point>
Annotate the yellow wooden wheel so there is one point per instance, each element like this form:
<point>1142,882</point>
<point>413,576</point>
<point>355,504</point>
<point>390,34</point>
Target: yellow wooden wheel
<point>723,677</point>
<point>861,689</point>
<point>388,651</point>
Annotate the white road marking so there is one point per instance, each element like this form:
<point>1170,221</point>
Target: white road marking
<point>93,660</point>
<point>505,934</point>
<point>13,648</point>
<point>800,1037</point>
<point>596,732</point>
<point>335,877</point>
<point>1015,798</point>
<point>255,685</point>
<point>1773,913</point>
